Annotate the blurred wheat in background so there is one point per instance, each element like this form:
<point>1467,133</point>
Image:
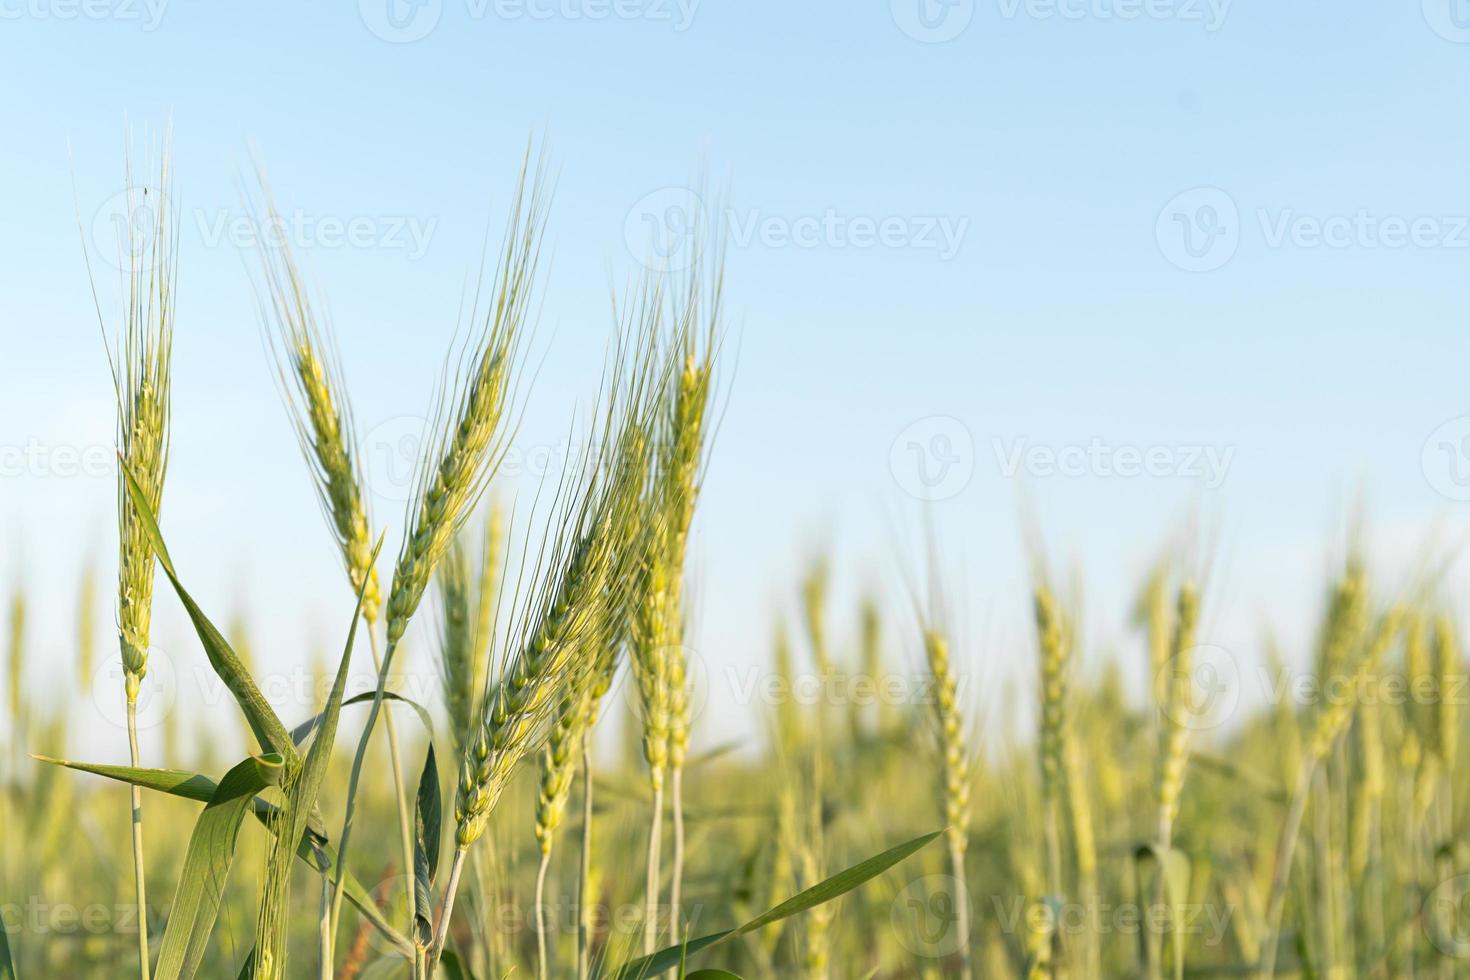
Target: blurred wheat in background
<point>490,831</point>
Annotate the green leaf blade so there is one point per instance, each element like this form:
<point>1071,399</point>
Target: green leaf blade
<point>211,852</point>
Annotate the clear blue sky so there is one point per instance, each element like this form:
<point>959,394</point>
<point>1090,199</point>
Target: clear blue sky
<point>1238,228</point>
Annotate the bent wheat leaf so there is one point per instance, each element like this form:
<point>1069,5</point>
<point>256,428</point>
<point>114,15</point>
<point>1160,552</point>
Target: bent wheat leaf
<point>300,799</point>
<point>820,893</point>
<point>174,782</point>
<point>207,864</point>
<point>301,731</point>
<point>427,822</point>
<point>313,848</point>
<point>264,723</point>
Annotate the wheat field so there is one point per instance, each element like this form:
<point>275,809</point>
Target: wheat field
<point>550,808</point>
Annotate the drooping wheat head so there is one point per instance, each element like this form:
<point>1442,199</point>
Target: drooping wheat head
<point>580,583</point>
<point>311,380</point>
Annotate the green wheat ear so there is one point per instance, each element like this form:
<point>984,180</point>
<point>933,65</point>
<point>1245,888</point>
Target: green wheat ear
<point>311,379</point>
<point>142,372</point>
<point>456,639</point>
<point>469,429</point>
<point>580,581</point>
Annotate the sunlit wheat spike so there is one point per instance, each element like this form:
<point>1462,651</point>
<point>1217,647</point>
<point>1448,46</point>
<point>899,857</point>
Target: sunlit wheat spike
<point>623,472</point>
<point>1335,713</point>
<point>1151,611</point>
<point>487,586</point>
<point>787,722</point>
<point>648,655</point>
<point>467,429</point>
<point>1451,690</point>
<point>583,571</point>
<point>456,641</point>
<point>15,654</point>
<point>1052,636</point>
<point>955,775</point>
<point>1054,642</point>
<point>682,471</point>
<point>1416,671</point>
<point>559,763</point>
<point>1179,709</point>
<point>311,380</point>
<point>141,374</point>
<point>1347,618</point>
<point>814,589</point>
<point>955,780</point>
